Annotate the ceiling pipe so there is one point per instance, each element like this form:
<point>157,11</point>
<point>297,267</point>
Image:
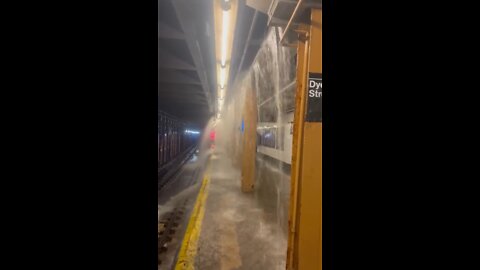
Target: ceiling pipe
<point>290,21</point>
<point>247,43</point>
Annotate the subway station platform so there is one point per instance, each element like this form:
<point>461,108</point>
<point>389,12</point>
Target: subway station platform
<point>240,204</point>
<point>221,226</point>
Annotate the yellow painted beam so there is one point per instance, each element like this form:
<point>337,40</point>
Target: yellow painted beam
<point>297,144</point>
<point>305,220</point>
<point>249,140</point>
<point>310,236</point>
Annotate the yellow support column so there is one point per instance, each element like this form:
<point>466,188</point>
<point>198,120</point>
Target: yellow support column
<point>305,239</point>
<point>249,131</point>
<point>302,60</point>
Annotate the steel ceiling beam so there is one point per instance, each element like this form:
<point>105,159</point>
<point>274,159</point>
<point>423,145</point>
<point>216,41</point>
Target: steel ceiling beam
<point>247,44</point>
<point>176,76</point>
<point>166,31</point>
<point>168,60</point>
<point>186,15</point>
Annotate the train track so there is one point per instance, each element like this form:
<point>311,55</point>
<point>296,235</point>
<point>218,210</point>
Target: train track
<point>167,172</point>
<point>167,227</point>
<point>171,224</point>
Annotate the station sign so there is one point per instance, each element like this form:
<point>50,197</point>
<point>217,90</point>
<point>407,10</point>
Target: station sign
<point>314,98</point>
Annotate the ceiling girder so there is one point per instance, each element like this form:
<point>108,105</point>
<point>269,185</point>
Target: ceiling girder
<point>186,16</point>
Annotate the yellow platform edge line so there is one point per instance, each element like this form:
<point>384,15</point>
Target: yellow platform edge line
<point>188,250</point>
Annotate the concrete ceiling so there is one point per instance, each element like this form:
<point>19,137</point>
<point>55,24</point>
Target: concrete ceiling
<point>187,82</point>
<point>184,59</point>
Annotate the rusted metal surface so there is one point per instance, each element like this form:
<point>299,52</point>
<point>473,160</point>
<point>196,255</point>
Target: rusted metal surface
<point>167,228</point>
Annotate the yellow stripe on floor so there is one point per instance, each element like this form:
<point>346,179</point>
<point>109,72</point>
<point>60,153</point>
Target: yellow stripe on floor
<point>186,257</point>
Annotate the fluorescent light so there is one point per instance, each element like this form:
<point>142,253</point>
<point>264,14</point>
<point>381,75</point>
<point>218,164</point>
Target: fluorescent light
<point>192,131</point>
<point>221,93</point>
<point>220,103</point>
<point>225,26</point>
<point>223,74</point>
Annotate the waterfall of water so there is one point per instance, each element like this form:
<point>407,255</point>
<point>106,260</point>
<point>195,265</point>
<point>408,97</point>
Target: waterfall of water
<point>272,77</point>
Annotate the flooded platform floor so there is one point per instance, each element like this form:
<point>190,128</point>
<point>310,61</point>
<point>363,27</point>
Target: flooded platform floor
<point>235,231</point>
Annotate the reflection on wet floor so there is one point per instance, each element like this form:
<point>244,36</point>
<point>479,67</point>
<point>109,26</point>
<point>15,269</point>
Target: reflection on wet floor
<point>237,231</point>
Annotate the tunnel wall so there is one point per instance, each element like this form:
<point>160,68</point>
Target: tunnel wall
<point>172,138</point>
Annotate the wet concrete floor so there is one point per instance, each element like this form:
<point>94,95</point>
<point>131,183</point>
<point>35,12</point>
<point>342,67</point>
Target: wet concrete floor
<point>241,231</point>
<point>237,231</point>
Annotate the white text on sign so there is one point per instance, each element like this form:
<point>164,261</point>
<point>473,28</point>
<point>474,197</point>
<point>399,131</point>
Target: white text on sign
<point>315,89</point>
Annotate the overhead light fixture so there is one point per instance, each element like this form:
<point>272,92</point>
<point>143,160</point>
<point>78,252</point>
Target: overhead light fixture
<point>225,16</point>
<point>221,93</point>
<point>223,74</point>
<point>225,4</point>
<point>220,102</point>
<point>192,131</point>
<point>225,27</point>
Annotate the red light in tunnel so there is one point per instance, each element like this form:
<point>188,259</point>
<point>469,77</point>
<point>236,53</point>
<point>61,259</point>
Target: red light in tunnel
<point>212,135</point>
